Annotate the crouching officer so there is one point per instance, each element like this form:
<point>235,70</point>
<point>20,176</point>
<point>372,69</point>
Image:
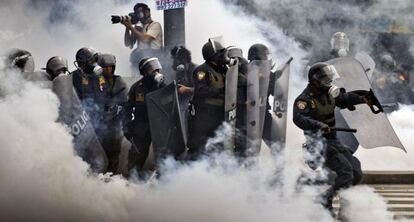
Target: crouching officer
<point>115,95</point>
<point>207,105</point>
<point>135,121</point>
<point>314,113</point>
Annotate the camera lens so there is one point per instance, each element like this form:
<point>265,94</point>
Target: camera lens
<point>116,19</point>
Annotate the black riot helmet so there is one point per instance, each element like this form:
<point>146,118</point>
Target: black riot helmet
<point>181,53</point>
<point>87,61</point>
<point>211,48</point>
<point>20,59</point>
<point>150,68</point>
<point>55,66</point>
<point>322,75</point>
<point>107,60</point>
<point>149,65</point>
<point>86,57</point>
<point>258,52</point>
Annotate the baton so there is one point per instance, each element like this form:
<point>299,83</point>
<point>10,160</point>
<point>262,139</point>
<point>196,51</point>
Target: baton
<point>350,130</point>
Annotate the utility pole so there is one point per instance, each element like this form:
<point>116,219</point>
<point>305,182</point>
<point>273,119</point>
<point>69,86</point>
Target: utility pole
<point>174,22</point>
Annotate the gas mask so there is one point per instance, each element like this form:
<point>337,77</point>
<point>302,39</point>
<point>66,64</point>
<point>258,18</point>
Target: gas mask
<point>180,68</point>
<point>325,78</point>
<point>89,67</point>
<point>149,68</point>
<point>62,72</point>
<point>231,54</point>
<point>158,77</point>
<point>140,16</point>
<point>179,65</point>
<point>93,68</point>
<point>331,89</point>
<point>340,44</point>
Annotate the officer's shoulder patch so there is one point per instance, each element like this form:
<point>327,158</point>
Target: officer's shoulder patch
<point>301,104</point>
<point>102,80</point>
<point>201,75</point>
<point>139,97</point>
<point>85,81</point>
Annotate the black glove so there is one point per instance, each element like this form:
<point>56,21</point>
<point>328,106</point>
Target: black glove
<point>324,128</point>
<point>128,135</point>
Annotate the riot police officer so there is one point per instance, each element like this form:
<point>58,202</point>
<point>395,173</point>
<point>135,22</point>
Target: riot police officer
<point>86,76</point>
<point>135,121</point>
<point>21,60</point>
<point>56,66</point>
<point>71,113</point>
<point>207,105</point>
<point>89,84</point>
<point>314,113</point>
<point>115,95</point>
<point>261,52</point>
<point>339,47</point>
<point>339,44</point>
<point>183,68</point>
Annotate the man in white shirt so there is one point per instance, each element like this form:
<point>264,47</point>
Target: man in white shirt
<point>147,33</point>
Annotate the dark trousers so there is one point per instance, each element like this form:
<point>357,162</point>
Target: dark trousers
<point>202,126</point>
<point>241,142</point>
<point>339,159</point>
<point>112,145</point>
<point>139,151</point>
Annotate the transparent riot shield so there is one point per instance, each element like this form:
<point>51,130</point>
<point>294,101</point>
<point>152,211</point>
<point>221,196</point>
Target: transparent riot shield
<point>71,113</point>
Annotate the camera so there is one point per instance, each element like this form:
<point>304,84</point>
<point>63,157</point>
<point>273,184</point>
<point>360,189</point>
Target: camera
<point>117,19</point>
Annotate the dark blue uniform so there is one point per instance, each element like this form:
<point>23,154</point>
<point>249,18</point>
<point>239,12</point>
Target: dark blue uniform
<point>207,112</point>
<point>136,123</point>
<point>91,91</point>
<point>111,131</point>
<point>313,112</point>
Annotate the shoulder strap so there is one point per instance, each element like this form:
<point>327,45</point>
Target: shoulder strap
<point>148,26</point>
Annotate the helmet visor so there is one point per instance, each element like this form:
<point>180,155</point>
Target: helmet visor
<point>327,75</point>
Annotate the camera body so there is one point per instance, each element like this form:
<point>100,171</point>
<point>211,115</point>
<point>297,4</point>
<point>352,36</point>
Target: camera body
<point>118,19</point>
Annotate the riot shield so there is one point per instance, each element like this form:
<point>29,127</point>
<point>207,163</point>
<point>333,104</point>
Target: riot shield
<point>71,113</point>
<point>257,88</point>
<point>367,62</point>
<point>280,101</point>
<point>346,138</point>
<point>230,99</point>
<point>374,130</point>
<point>167,132</point>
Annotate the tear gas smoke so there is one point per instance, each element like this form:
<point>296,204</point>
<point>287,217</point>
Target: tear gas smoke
<point>42,178</point>
<point>363,197</point>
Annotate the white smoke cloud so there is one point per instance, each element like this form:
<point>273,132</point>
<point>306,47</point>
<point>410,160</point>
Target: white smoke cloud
<point>42,178</point>
<point>359,200</point>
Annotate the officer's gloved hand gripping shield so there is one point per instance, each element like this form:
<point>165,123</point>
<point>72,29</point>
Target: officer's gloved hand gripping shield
<point>354,77</point>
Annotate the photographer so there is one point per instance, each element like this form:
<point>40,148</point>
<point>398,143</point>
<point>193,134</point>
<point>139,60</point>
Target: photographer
<point>142,29</point>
